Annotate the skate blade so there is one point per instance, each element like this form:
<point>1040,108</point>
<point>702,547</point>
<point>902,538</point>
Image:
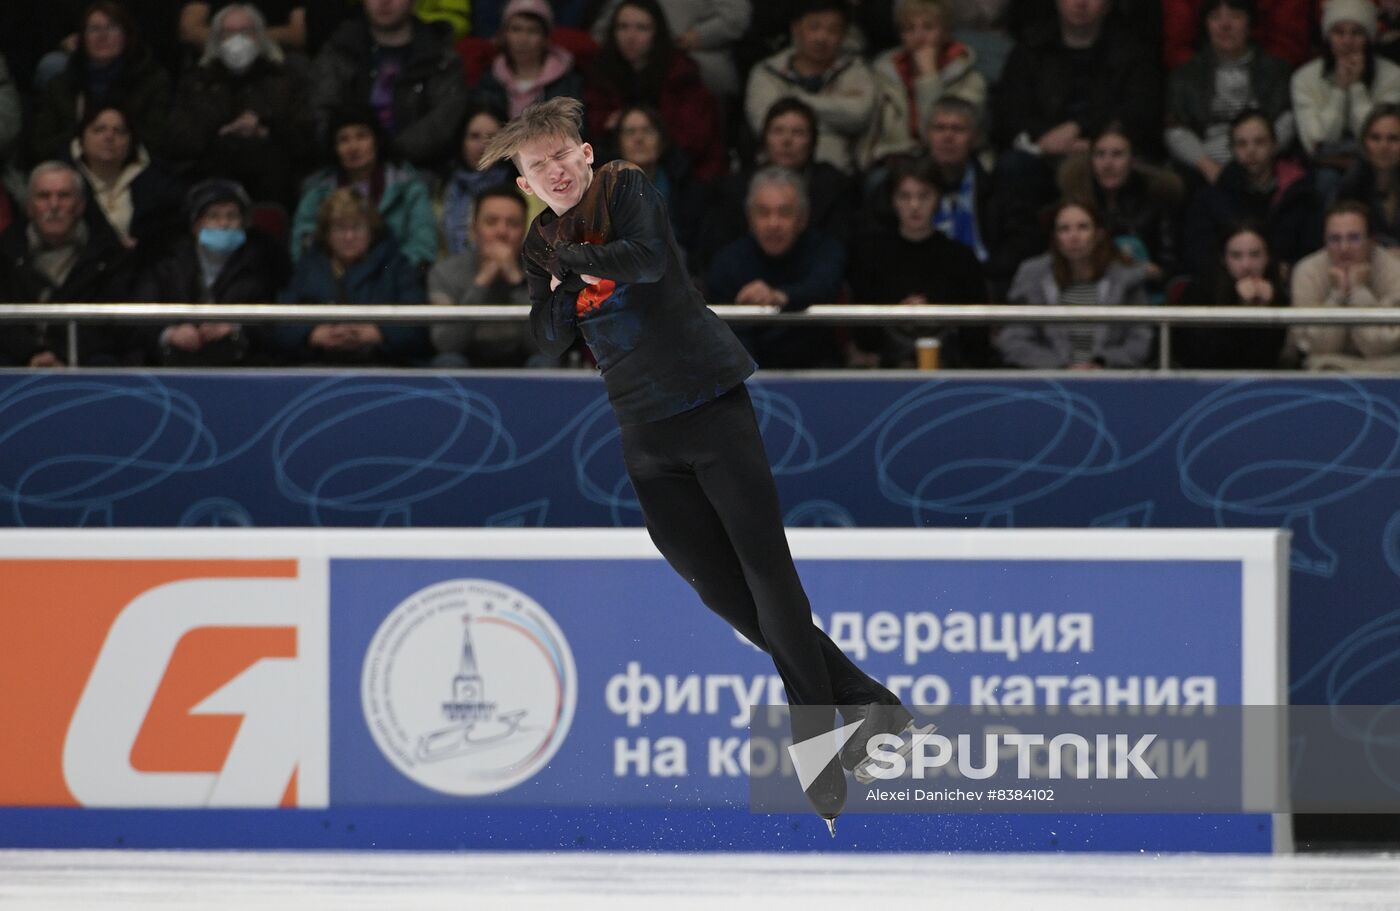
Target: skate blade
<point>864,771</point>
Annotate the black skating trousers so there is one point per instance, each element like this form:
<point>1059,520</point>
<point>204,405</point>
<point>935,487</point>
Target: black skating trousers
<point>711,507</point>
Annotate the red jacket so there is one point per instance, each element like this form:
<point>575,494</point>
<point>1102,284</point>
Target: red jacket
<point>1284,28</point>
<point>690,112</point>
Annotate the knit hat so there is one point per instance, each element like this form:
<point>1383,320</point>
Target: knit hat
<point>540,9</point>
<point>1362,12</point>
<point>213,191</point>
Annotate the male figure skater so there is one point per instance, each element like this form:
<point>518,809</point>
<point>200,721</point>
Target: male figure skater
<point>601,261</point>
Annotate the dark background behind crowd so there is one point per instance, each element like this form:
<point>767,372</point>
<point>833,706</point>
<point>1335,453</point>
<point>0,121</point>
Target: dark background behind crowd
<point>1056,152</point>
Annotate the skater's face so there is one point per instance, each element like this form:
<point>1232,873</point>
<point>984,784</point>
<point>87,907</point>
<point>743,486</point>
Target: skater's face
<point>1246,256</point>
<point>776,217</point>
<point>788,141</point>
<point>1228,29</point>
<point>951,136</point>
<point>499,221</point>
<point>914,202</point>
<point>817,37</point>
<point>1076,235</point>
<point>480,130</point>
<point>634,31</point>
<point>1382,143</point>
<point>556,169</point>
<point>1112,160</point>
<point>1252,145</point>
<point>1348,241</point>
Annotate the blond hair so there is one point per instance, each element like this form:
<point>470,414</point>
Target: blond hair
<point>907,9</point>
<point>557,117</point>
<point>347,203</point>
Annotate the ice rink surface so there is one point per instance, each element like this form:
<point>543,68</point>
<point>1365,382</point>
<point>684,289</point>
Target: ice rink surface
<point>389,881</point>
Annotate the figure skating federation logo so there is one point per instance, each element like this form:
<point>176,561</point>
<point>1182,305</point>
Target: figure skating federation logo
<point>468,687</point>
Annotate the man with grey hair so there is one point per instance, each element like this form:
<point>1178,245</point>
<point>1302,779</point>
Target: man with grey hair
<point>784,264</point>
<point>55,256</point>
<point>241,114</point>
<point>286,21</point>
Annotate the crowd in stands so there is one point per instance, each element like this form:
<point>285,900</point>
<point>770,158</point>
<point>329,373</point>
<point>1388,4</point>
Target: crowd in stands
<point>1052,152</point>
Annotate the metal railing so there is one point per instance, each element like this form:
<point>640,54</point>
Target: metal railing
<point>865,314</point>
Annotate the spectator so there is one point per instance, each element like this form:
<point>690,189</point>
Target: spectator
<point>284,21</point>
<point>1350,271</point>
<point>241,113</point>
<point>1257,185</point>
<point>1245,275</point>
<point>1333,94</point>
<point>487,272</point>
<point>638,65</point>
<point>404,69</point>
<point>1082,269</point>
<point>222,260</point>
<point>836,84</point>
<point>1388,29</point>
<point>110,66</point>
<point>11,120</point>
<point>1070,77</point>
<point>641,139</point>
<point>1282,28</point>
<point>1228,77</point>
<point>782,264</point>
<point>707,30</point>
<point>966,189</point>
<point>353,260</point>
<point>1139,202</point>
<point>789,141</point>
<point>138,198</point>
<point>927,66</point>
<point>406,209</point>
<point>467,179</point>
<point>55,256</point>
<point>529,67</point>
<point>1067,81</point>
<point>915,264</point>
<point>1374,180</point>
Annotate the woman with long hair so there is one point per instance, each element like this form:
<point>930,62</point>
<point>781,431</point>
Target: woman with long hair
<point>1082,268</point>
<point>456,200</point>
<point>1245,275</point>
<point>640,65</point>
<point>1374,180</point>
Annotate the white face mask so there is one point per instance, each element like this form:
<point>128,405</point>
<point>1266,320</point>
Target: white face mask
<point>238,52</point>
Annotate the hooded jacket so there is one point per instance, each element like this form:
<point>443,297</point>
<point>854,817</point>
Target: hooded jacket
<point>844,102</point>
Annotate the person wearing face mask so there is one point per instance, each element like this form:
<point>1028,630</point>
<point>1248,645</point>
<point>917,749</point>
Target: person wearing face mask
<point>241,114</point>
<point>221,260</point>
<point>286,21</point>
<point>1245,275</point>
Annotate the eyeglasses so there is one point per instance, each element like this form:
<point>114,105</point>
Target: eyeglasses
<point>1337,240</point>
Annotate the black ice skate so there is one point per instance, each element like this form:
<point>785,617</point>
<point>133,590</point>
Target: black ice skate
<point>879,719</point>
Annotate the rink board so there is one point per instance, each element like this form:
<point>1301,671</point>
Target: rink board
<point>556,689</point>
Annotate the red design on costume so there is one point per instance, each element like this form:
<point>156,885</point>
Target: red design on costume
<point>592,297</point>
